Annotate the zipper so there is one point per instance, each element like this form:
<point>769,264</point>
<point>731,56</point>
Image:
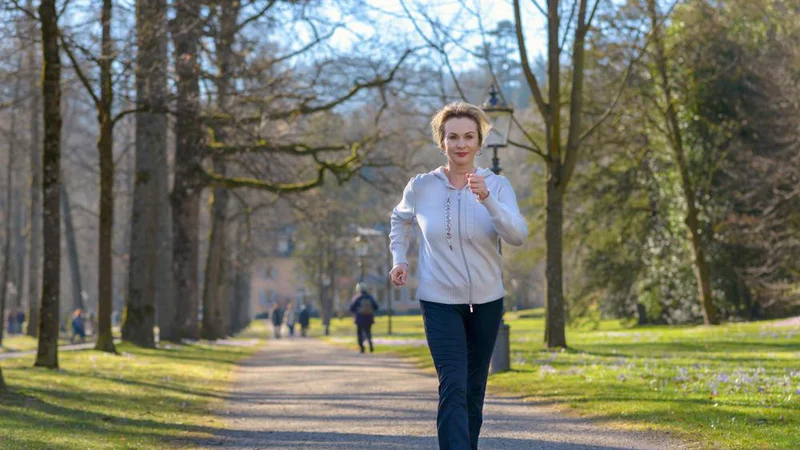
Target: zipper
<point>461,245</point>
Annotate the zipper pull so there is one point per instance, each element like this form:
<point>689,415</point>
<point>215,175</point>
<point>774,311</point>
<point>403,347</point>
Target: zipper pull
<point>470,306</point>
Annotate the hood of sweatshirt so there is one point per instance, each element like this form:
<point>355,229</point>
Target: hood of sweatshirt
<point>448,204</point>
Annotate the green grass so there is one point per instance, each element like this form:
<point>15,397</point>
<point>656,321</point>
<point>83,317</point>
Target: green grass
<point>21,343</point>
<point>736,386</point>
<point>141,399</point>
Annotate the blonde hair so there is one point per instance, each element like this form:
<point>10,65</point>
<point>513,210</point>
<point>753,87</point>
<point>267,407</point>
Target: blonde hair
<point>458,110</point>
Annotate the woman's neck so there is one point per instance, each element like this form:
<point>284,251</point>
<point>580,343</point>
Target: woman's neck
<point>458,175</point>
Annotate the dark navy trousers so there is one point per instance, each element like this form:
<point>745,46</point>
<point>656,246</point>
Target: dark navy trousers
<point>461,344</point>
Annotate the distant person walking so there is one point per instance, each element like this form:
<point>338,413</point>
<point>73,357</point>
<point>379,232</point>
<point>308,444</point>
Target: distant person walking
<point>78,327</point>
<point>462,213</point>
<point>364,307</point>
<point>12,321</point>
<point>289,317</point>
<point>277,320</point>
<point>20,320</point>
<point>304,319</point>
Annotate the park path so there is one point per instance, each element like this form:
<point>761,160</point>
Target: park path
<point>306,394</point>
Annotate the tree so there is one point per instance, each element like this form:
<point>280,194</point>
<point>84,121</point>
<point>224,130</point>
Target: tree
<point>72,250</point>
<point>197,140</point>
<point>105,149</point>
<point>35,151</point>
<point>151,282</point>
<point>560,157</point>
<point>12,140</point>
<point>152,185</point>
<point>676,140</point>
<point>185,197</point>
<point>47,353</point>
<point>2,381</point>
<point>214,307</point>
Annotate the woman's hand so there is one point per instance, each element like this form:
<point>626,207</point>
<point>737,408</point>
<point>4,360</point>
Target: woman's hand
<point>477,184</point>
<point>399,274</point>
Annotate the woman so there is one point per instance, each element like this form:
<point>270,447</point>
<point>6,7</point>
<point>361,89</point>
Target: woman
<point>462,212</point>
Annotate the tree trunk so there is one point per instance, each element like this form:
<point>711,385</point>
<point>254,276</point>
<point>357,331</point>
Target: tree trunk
<point>151,150</point>
<point>675,138</point>
<point>7,240</point>
<point>20,248</point>
<point>105,149</point>
<point>556,311</point>
<point>2,381</point>
<point>214,299</point>
<point>186,191</point>
<point>555,334</point>
<point>47,354</point>
<point>213,325</point>
<point>35,245</point>
<point>72,251</point>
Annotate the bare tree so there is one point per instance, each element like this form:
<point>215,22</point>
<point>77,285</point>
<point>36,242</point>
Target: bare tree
<point>214,305</point>
<point>11,138</point>
<point>105,147</point>
<point>35,151</point>
<point>185,197</point>
<point>560,157</point>
<point>150,284</point>
<point>47,353</point>
<point>72,250</point>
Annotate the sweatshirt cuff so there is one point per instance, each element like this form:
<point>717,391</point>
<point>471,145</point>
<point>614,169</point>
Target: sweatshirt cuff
<point>490,202</point>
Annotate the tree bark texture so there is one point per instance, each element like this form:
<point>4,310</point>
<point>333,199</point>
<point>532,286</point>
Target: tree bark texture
<point>215,303</point>
<point>151,149</point>
<point>187,187</point>
<point>35,209</point>
<point>47,353</point>
<point>72,251</point>
<point>7,236</point>
<point>213,324</point>
<point>105,150</point>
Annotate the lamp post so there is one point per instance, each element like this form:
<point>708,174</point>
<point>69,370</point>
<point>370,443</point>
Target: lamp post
<point>499,114</point>
<point>362,248</point>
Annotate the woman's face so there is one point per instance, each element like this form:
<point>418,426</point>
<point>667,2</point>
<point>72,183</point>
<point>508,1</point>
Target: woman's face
<point>461,141</point>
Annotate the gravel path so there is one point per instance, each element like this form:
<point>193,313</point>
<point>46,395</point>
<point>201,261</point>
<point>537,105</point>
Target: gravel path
<point>305,394</point>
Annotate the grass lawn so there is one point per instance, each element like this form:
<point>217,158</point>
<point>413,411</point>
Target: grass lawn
<point>21,343</point>
<point>736,386</point>
<point>142,399</point>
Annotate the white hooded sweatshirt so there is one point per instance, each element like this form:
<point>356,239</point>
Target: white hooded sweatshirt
<point>459,255</point>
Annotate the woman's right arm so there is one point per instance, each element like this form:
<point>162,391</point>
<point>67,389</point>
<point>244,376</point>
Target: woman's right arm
<point>402,222</point>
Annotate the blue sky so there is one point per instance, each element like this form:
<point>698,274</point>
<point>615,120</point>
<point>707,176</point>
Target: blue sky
<point>390,19</point>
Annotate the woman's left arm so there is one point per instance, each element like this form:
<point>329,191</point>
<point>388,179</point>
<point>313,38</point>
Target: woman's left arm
<point>503,208</point>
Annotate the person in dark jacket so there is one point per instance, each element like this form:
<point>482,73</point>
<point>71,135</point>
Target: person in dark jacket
<point>277,319</point>
<point>364,307</point>
<point>303,319</point>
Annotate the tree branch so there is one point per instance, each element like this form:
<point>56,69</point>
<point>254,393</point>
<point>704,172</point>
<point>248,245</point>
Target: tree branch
<point>80,73</point>
<point>526,68</point>
<point>254,17</point>
<point>305,110</point>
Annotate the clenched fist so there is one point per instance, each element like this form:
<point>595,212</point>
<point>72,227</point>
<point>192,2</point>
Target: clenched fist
<point>399,274</point>
<point>477,185</point>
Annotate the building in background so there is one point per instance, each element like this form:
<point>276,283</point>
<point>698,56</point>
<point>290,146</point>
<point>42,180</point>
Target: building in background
<point>274,275</point>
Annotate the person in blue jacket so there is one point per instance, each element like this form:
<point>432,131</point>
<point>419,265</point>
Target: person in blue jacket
<point>364,307</point>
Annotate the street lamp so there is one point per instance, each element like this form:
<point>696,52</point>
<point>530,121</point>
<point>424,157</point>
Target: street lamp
<point>499,114</point>
<point>362,248</point>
